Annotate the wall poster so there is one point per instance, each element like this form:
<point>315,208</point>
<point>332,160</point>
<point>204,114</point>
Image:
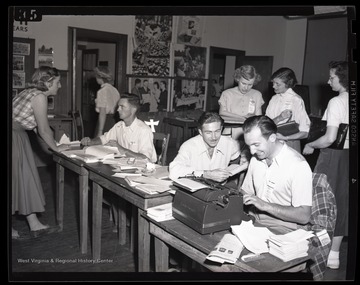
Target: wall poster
<point>151,53</point>
<point>188,94</point>
<point>190,61</point>
<point>189,30</point>
<point>154,93</point>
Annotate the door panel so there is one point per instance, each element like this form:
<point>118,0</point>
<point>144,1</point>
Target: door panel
<point>89,89</point>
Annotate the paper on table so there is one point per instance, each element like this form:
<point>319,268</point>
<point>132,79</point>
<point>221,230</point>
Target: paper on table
<point>65,140</point>
<point>227,250</point>
<point>253,238</point>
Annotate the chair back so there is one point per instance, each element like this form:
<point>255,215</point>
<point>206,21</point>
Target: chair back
<point>161,143</point>
<point>323,216</point>
<point>77,124</point>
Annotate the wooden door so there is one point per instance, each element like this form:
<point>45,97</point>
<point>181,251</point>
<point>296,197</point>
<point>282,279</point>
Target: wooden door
<point>89,89</point>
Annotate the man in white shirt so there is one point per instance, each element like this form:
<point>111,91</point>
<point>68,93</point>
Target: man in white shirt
<point>131,136</point>
<point>207,154</point>
<point>278,182</point>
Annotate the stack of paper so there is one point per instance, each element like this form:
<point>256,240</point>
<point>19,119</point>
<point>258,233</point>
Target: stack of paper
<point>291,245</point>
<point>149,185</point>
<point>161,213</point>
<point>94,153</point>
<point>227,250</point>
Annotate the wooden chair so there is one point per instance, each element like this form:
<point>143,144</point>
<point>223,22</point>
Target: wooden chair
<point>78,124</point>
<point>161,143</point>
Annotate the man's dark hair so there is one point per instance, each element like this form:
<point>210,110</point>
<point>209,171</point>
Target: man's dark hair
<point>265,124</point>
<point>133,99</point>
<point>209,117</point>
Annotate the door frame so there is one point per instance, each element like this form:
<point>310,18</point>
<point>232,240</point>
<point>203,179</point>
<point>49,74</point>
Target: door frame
<point>120,40</point>
<point>239,54</point>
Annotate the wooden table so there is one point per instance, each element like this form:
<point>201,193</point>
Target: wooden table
<point>63,162</point>
<point>196,246</point>
<point>101,177</point>
<point>187,125</point>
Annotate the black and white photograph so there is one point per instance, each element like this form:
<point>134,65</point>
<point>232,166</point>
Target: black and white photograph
<point>18,80</point>
<point>18,63</point>
<point>182,143</point>
<point>21,48</point>
<point>154,93</point>
<point>188,94</point>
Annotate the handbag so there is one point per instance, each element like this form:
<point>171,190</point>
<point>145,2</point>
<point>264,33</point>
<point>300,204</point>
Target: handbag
<point>288,128</point>
<point>318,129</point>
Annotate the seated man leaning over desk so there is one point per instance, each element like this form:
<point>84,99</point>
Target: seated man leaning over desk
<point>278,182</point>
<point>207,154</point>
<point>131,136</point>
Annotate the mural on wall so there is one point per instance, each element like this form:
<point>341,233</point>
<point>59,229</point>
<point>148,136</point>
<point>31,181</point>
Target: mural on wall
<point>153,92</point>
<point>151,55</point>
<point>190,61</point>
<point>189,30</point>
<point>188,94</point>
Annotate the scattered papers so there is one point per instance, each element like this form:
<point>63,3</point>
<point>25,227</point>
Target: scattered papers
<point>65,140</point>
<point>161,213</point>
<point>291,245</point>
<point>94,153</point>
<point>189,184</point>
<point>149,185</point>
<point>227,250</point>
<point>253,238</point>
<point>124,174</point>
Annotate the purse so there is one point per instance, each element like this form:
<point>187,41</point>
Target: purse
<point>318,129</point>
<point>288,128</point>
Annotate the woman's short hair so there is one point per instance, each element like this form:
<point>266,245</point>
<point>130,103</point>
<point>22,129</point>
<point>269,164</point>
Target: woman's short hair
<point>287,76</point>
<point>265,124</point>
<point>247,72</point>
<point>209,117</point>
<point>104,73</point>
<point>341,71</point>
<point>41,75</point>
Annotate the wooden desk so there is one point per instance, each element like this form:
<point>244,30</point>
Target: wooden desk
<point>196,246</point>
<point>186,125</point>
<point>101,177</point>
<point>77,166</point>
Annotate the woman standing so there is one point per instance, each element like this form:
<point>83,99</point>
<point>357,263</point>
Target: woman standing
<point>30,113</point>
<point>287,105</point>
<point>242,101</point>
<point>335,162</point>
<point>106,100</point>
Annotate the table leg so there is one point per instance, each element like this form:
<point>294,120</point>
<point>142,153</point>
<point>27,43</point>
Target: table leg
<point>83,198</point>
<point>121,211</point>
<point>143,243</point>
<point>161,256</point>
<point>60,195</point>
<point>96,223</point>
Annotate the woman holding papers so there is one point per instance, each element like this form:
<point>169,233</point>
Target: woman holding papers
<point>286,105</point>
<point>30,113</point>
<point>335,162</point>
<point>242,101</point>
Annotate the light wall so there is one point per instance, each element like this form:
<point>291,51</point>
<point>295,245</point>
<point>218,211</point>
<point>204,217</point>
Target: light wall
<point>256,35</point>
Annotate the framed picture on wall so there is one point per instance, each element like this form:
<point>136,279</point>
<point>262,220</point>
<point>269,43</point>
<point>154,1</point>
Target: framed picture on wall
<point>188,94</point>
<point>189,61</point>
<point>18,80</point>
<point>18,63</point>
<point>154,93</point>
<point>21,48</point>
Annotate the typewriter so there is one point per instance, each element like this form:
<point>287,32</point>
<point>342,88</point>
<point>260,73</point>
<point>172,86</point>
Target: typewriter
<point>213,208</point>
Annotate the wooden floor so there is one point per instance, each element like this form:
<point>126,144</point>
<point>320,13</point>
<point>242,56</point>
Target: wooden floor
<point>57,256</point>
